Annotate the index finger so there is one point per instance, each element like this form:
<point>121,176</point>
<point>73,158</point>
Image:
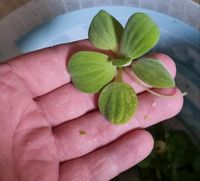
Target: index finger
<point>45,70</point>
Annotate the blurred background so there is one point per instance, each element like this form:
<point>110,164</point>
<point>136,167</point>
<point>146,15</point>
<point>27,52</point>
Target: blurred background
<point>20,16</point>
<point>176,154</point>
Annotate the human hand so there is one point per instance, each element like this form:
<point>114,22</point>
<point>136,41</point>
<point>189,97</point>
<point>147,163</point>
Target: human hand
<point>50,131</point>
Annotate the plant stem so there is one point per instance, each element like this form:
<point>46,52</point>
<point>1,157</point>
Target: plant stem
<point>118,77</point>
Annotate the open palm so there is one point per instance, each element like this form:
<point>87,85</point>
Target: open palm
<point>50,131</point>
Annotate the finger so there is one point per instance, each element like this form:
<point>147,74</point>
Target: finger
<point>45,70</point>
<point>34,153</point>
<point>67,103</point>
<point>108,162</point>
<point>92,130</point>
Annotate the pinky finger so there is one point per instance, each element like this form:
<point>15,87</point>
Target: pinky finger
<point>107,162</point>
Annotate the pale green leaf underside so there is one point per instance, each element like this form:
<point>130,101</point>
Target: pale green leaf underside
<point>121,62</point>
<point>90,71</point>
<point>105,31</point>
<point>153,73</point>
<point>118,102</point>
<point>140,35</point>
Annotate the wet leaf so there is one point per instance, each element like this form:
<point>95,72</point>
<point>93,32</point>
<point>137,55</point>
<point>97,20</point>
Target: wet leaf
<point>118,102</point>
<point>140,35</point>
<point>90,71</point>
<point>153,73</point>
<point>105,31</point>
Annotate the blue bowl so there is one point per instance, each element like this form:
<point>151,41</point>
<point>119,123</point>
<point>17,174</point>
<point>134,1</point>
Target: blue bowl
<point>178,40</point>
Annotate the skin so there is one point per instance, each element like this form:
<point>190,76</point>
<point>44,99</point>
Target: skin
<point>43,118</point>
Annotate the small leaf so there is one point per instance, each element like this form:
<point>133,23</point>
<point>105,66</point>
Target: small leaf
<point>118,102</point>
<point>105,31</point>
<point>90,71</point>
<point>140,35</point>
<point>153,73</point>
<point>160,147</point>
<point>121,62</point>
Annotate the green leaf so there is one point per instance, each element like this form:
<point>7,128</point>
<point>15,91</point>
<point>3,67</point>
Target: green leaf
<point>121,62</point>
<point>140,35</point>
<point>180,140</point>
<point>146,163</point>
<point>196,164</point>
<point>160,147</point>
<point>105,31</point>
<point>118,102</point>
<point>153,73</point>
<point>180,158</point>
<point>90,71</point>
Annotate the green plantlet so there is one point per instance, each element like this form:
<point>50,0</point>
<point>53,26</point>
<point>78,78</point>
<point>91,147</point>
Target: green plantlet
<point>93,72</point>
<point>175,157</point>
